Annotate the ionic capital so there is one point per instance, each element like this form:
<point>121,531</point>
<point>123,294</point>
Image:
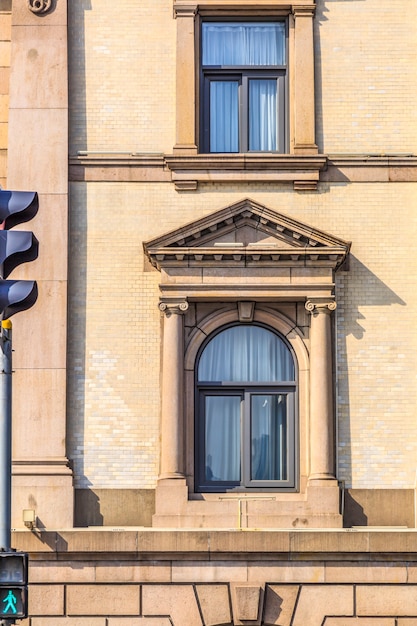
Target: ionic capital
<point>320,305</point>
<point>173,307</point>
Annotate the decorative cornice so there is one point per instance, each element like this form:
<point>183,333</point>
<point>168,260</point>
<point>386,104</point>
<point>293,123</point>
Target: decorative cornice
<point>39,7</point>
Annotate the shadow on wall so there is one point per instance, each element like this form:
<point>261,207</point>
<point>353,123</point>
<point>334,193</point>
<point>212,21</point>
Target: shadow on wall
<point>357,288</point>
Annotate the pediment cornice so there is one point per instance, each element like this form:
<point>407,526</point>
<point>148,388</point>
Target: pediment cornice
<point>247,233</point>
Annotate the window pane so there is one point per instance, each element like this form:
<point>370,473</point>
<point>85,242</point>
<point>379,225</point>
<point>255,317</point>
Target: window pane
<point>249,43</point>
<point>262,114</point>
<point>222,438</point>
<point>224,116</point>
<point>246,353</point>
<point>268,437</point>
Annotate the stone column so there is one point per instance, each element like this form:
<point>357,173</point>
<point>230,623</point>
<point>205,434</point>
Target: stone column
<point>304,117</point>
<point>321,390</point>
<point>172,390</point>
<point>186,96</point>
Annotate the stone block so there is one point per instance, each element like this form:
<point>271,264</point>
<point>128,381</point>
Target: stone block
<point>212,572</point>
<point>285,571</point>
<point>133,572</point>
<point>103,599</point>
<point>177,601</point>
<point>39,79</point>
<point>247,600</point>
<point>360,621</point>
<point>39,408</point>
<point>31,128</point>
<point>348,572</point>
<point>386,600</point>
<point>317,601</point>
<point>68,621</point>
<point>48,572</point>
<point>139,621</point>
<point>46,600</point>
<point>279,604</point>
<point>214,604</point>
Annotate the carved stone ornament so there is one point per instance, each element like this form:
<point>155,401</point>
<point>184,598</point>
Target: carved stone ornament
<point>173,307</point>
<point>322,306</point>
<point>39,6</point>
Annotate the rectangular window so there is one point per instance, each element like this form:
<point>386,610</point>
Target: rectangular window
<point>243,86</point>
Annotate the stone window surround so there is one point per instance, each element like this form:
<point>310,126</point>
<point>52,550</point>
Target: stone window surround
<point>302,165</point>
<point>191,263</point>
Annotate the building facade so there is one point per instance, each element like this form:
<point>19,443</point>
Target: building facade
<point>214,400</point>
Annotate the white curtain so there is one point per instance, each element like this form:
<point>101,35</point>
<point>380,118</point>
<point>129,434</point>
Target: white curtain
<point>224,116</point>
<point>263,115</point>
<point>245,354</point>
<point>246,43</point>
<point>250,44</point>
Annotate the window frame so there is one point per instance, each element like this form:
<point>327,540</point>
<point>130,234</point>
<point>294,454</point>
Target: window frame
<point>246,390</point>
<point>243,74</point>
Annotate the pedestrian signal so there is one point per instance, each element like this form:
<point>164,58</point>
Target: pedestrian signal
<point>13,585</point>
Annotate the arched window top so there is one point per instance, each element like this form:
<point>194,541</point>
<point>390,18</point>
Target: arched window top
<point>246,354</point>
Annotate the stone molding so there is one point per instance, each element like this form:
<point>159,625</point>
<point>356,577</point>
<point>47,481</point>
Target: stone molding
<point>187,171</point>
<point>39,7</point>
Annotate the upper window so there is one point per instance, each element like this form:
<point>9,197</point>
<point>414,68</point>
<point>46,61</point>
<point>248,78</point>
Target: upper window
<point>243,67</point>
<point>245,422</point>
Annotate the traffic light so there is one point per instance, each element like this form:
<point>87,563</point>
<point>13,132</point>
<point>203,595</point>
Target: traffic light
<point>13,585</point>
<point>16,247</point>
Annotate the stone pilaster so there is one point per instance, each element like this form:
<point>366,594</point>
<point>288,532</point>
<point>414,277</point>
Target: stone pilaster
<point>185,97</point>
<point>321,390</point>
<point>172,390</point>
<point>304,118</point>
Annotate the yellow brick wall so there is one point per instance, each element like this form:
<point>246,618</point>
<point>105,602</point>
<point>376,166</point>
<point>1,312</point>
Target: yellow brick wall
<point>366,64</point>
<point>122,73</point>
<point>114,410</point>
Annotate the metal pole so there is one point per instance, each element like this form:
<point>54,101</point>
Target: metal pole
<point>5,434</point>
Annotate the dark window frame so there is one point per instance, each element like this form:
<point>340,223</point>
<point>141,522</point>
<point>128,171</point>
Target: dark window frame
<point>246,390</point>
<point>243,74</point>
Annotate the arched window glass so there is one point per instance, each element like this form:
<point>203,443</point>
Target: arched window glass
<point>245,426</point>
<point>246,353</point>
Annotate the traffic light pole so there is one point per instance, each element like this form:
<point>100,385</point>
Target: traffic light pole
<point>5,435</point>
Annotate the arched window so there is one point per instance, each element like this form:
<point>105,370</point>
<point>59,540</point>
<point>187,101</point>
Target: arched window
<point>245,418</point>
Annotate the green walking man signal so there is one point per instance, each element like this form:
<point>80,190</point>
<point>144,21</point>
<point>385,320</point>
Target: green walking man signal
<point>13,585</point>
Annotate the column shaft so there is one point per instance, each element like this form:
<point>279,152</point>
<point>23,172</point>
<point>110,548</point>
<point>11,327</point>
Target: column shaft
<point>321,392</point>
<point>172,392</point>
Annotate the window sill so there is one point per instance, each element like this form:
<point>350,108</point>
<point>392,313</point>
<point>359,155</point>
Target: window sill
<point>300,170</point>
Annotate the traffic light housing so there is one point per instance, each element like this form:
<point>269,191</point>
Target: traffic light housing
<point>16,247</point>
<point>13,585</point>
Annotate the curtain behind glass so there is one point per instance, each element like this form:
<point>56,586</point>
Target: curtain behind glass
<point>224,116</point>
<point>222,438</point>
<point>246,353</point>
<point>240,44</point>
<point>268,437</point>
<point>262,114</point>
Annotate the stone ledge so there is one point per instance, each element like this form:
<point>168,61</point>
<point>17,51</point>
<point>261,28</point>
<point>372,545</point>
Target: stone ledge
<point>147,544</point>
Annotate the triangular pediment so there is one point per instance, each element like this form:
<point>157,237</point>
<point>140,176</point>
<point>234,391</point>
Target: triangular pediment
<point>246,230</point>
